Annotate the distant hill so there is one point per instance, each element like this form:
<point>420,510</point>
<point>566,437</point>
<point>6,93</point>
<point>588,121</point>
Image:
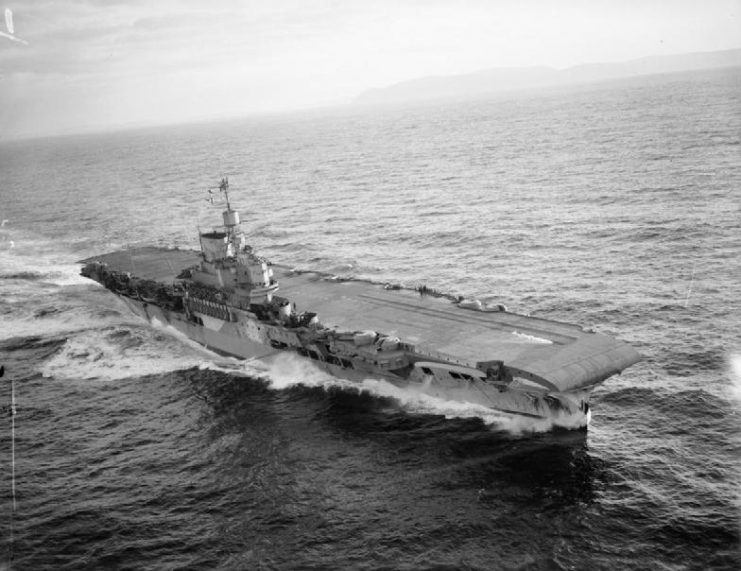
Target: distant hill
<point>505,79</point>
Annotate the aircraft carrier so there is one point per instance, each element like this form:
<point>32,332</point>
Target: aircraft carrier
<point>235,302</point>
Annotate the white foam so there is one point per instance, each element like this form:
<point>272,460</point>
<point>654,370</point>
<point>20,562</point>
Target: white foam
<point>26,318</point>
<point>135,352</point>
<point>734,364</point>
<point>282,372</point>
<point>46,271</point>
<point>183,339</point>
<point>41,258</point>
<point>65,275</point>
<point>288,370</point>
<point>417,402</point>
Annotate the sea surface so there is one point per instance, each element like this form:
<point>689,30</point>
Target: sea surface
<point>616,206</point>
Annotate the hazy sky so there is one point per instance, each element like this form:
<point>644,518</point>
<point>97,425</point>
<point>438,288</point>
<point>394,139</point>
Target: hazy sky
<point>94,64</point>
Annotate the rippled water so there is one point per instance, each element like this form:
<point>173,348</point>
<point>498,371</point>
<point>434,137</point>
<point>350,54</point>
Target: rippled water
<point>615,206</point>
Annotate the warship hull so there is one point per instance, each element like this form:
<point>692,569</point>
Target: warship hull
<point>552,367</point>
<point>226,339</point>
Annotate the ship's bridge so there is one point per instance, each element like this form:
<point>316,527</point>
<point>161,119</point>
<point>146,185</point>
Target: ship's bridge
<point>228,263</point>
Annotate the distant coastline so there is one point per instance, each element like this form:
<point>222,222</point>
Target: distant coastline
<point>496,80</point>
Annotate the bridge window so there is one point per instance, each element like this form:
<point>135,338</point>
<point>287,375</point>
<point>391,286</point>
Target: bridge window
<point>426,371</point>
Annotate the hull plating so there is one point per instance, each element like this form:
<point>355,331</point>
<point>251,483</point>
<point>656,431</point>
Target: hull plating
<point>242,339</point>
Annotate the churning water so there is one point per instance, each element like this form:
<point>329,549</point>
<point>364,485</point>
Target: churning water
<point>615,206</point>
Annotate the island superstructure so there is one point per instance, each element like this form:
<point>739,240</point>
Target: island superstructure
<point>231,300</point>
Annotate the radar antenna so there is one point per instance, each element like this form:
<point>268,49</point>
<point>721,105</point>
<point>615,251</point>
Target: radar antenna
<point>234,236</point>
<point>223,187</point>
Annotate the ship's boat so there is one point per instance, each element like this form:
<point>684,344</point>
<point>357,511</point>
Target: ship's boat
<point>227,298</point>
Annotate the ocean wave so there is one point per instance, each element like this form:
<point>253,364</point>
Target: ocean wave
<point>30,276</point>
<point>336,472</point>
<point>35,259</point>
<point>33,343</point>
<point>118,354</point>
<point>50,314</point>
<point>690,360</point>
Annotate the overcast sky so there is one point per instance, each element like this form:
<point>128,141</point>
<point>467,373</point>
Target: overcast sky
<point>100,64</point>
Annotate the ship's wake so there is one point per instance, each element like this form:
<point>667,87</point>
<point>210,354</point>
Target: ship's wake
<point>42,293</point>
<point>118,353</point>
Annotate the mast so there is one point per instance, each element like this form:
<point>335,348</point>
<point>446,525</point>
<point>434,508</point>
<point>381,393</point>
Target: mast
<point>224,244</point>
<point>224,187</point>
<point>231,217</point>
